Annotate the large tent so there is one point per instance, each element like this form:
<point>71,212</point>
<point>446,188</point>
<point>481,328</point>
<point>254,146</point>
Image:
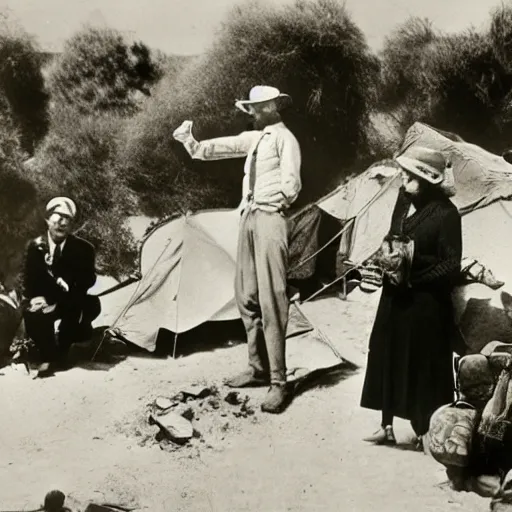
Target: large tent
<point>188,264</point>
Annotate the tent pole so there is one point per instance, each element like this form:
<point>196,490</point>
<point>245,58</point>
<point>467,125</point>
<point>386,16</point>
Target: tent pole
<point>324,287</point>
<point>348,224</point>
<point>338,279</point>
<point>187,215</point>
<point>175,345</point>
<point>99,345</point>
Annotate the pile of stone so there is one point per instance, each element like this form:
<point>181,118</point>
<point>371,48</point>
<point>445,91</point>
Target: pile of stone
<point>177,416</point>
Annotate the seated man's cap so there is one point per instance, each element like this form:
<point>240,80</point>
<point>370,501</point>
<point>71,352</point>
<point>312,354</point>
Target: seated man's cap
<point>61,205</point>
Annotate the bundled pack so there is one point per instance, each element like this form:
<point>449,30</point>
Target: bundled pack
<point>482,410</point>
<point>476,380</point>
<point>451,434</point>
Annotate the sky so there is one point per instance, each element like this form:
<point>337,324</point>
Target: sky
<point>187,27</point>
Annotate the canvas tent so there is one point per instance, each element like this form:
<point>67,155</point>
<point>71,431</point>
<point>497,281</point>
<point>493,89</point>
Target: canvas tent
<point>484,199</point>
<point>188,263</point>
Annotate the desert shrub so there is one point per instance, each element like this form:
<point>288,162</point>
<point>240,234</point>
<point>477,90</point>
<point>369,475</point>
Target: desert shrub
<point>22,84</point>
<point>458,82</point>
<point>403,91</point>
<point>18,200</point>
<point>500,36</point>
<point>99,71</point>
<point>462,86</point>
<point>311,50</point>
<point>79,159</point>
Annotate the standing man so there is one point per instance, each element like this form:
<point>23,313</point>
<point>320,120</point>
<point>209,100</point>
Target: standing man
<point>59,270</point>
<point>271,184</point>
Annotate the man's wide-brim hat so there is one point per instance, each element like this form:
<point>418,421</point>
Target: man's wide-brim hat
<point>429,165</point>
<point>262,94</point>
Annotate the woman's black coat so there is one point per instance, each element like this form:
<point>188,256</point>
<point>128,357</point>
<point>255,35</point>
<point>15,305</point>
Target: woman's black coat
<point>409,372</point>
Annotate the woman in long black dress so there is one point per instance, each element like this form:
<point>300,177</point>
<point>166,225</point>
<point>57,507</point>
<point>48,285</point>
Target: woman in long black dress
<point>409,372</point>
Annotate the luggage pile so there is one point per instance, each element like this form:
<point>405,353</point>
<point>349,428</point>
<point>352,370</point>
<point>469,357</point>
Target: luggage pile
<point>472,437</point>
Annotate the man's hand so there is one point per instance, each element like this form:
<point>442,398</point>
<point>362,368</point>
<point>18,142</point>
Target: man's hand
<point>183,132</point>
<point>37,304</point>
<point>49,309</point>
<point>63,284</point>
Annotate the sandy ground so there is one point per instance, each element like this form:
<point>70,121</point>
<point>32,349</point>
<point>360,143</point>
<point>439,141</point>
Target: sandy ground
<point>85,432</point>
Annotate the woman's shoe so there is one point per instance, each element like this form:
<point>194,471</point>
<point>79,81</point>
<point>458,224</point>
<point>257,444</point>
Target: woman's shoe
<point>382,436</point>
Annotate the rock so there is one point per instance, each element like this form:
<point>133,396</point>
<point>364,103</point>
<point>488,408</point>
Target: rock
<point>180,397</point>
<point>197,391</point>
<point>192,393</point>
<point>185,411</point>
<point>163,403</point>
<point>247,409</point>
<point>233,398</point>
<point>176,427</point>
<point>214,403</point>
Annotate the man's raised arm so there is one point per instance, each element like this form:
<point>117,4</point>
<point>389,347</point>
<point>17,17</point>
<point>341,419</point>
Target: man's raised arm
<point>220,148</point>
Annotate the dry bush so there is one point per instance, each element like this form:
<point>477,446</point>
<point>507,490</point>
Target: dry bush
<point>100,71</point>
<point>403,91</point>
<point>79,159</point>
<point>460,83</point>
<point>22,83</point>
<point>311,50</point>
<point>18,198</point>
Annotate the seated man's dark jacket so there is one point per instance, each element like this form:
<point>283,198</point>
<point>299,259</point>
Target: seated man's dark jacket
<point>76,266</point>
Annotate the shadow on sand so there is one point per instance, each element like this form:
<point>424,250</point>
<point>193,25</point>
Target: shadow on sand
<point>320,378</point>
<point>103,352</point>
<point>204,338</point>
<point>323,378</point>
<point>100,353</point>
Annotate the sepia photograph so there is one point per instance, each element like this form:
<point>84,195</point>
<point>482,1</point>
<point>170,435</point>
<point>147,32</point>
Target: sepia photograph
<point>255,255</point>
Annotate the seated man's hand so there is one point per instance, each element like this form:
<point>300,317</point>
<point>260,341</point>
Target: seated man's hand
<point>37,304</point>
<point>49,309</point>
<point>63,284</point>
<point>183,132</point>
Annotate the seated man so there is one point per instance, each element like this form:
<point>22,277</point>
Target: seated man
<point>59,270</point>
